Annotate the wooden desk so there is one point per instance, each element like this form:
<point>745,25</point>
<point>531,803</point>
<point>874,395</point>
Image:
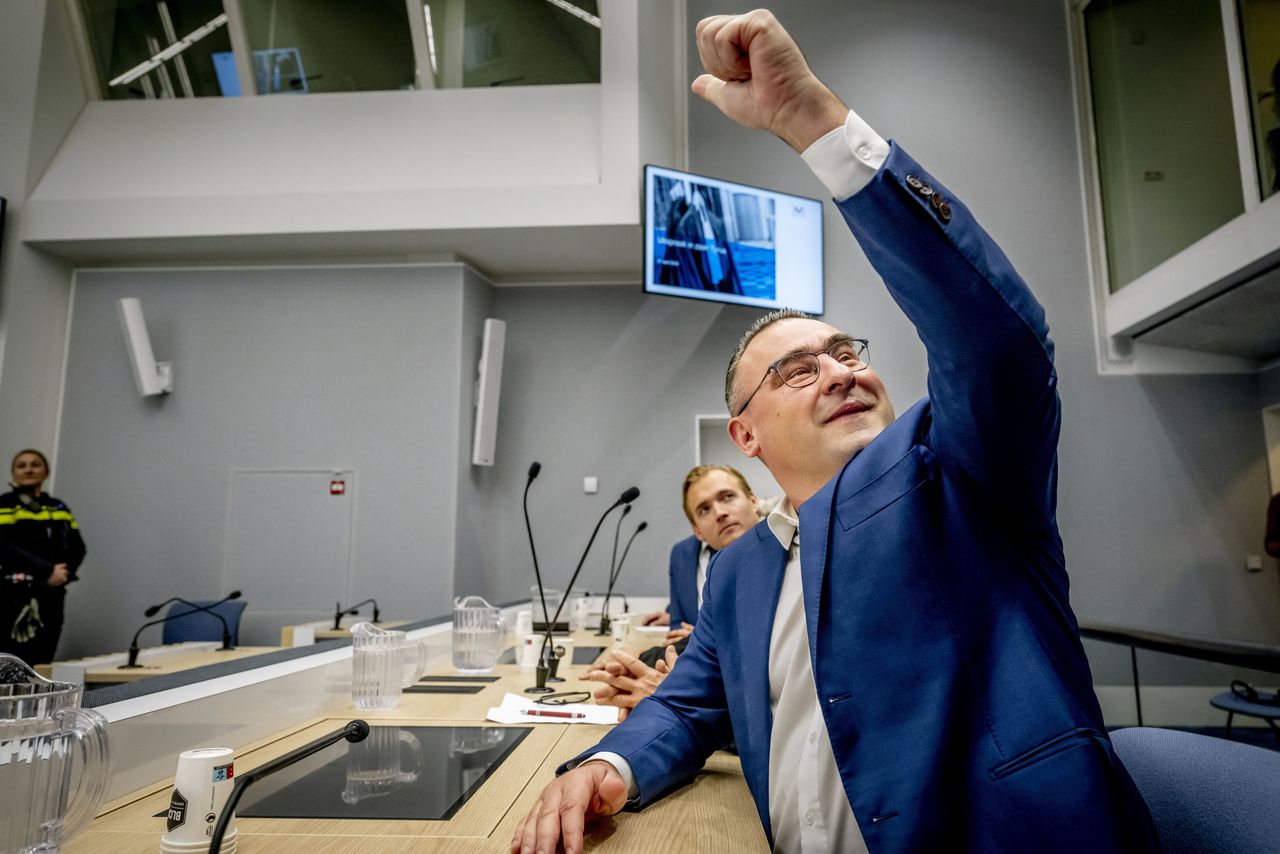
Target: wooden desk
<point>113,674</point>
<point>713,814</point>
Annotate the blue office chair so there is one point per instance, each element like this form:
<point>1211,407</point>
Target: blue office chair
<point>203,626</point>
<point>1205,794</point>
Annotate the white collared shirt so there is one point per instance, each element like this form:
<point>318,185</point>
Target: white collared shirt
<point>808,808</point>
<point>704,556</point>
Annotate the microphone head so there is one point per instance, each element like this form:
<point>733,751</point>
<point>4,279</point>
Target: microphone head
<point>152,611</point>
<point>630,495</point>
<point>626,510</point>
<point>534,468</point>
<point>641,526</point>
<point>234,594</point>
<point>357,730</point>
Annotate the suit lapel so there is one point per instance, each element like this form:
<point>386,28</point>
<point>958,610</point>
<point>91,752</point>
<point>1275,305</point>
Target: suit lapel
<point>757,605</point>
<point>689,584</point>
<point>815,522</point>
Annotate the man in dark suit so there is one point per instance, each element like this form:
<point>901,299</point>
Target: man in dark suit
<point>720,507</point>
<point>893,648</point>
<point>705,260</point>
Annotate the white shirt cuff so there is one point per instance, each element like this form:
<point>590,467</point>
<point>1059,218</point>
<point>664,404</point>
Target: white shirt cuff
<point>622,766</point>
<point>847,157</point>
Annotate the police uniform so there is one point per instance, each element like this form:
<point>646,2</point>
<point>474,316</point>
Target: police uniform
<point>36,532</point>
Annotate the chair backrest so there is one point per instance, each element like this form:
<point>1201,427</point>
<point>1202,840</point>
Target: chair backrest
<point>1204,793</point>
<point>203,626</point>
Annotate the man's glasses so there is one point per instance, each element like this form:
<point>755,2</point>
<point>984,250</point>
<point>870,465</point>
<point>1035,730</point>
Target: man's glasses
<point>564,699</point>
<point>798,370</point>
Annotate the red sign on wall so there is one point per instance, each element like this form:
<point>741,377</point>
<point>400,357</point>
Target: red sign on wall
<point>337,487</point>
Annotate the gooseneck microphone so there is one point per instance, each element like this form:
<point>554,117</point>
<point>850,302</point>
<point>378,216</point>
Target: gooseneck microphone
<point>354,732</point>
<point>613,565</point>
<point>613,579</point>
<point>627,497</point>
<point>195,609</point>
<point>351,610</point>
<point>534,468</point>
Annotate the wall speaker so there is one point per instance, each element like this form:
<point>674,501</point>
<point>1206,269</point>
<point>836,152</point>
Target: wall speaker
<point>488,389</point>
<point>150,377</point>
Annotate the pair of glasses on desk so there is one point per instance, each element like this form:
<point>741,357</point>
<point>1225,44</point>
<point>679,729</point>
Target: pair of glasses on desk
<point>564,699</point>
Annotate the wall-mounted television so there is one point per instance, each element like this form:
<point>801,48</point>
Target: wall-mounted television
<point>716,240</point>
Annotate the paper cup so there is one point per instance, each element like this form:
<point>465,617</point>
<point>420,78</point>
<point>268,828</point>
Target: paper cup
<point>524,623</point>
<point>621,627</point>
<point>529,650</point>
<point>201,785</point>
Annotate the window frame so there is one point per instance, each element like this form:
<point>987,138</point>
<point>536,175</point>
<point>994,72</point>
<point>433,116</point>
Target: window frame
<point>1234,252</point>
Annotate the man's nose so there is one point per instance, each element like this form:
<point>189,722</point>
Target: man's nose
<point>836,376</point>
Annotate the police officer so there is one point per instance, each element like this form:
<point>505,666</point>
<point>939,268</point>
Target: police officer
<point>40,551</point>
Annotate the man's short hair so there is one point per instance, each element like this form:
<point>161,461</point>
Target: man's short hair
<point>762,323</point>
<point>697,473</point>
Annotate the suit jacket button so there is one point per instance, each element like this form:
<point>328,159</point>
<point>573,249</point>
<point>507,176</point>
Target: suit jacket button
<point>913,182</point>
<point>945,212</point>
<point>925,191</point>
<point>935,201</point>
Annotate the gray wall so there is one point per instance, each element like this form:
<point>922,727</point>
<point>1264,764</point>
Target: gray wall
<point>1163,479</point>
<point>39,102</point>
<point>345,367</point>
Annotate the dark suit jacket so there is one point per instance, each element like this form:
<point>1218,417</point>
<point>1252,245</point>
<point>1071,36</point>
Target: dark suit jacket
<point>684,582</point>
<point>947,660</point>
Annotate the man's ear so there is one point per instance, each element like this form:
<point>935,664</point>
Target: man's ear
<point>741,434</point>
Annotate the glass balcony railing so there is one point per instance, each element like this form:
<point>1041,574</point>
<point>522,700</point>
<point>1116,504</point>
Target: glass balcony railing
<point>209,48</point>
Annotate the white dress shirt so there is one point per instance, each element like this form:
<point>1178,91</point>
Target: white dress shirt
<point>807,805</point>
<point>704,555</point>
<point>808,808</point>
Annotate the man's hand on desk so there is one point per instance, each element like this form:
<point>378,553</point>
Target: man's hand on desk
<point>656,618</point>
<point>676,635</point>
<point>592,790</point>
<point>628,680</point>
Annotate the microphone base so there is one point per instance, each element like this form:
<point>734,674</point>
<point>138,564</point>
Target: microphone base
<point>130,667</point>
<point>539,690</point>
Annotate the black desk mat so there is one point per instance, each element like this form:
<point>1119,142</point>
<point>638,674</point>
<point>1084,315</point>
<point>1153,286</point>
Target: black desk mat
<point>426,774</point>
<point>459,679</point>
<point>444,689</point>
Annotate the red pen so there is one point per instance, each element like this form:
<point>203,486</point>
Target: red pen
<point>548,713</point>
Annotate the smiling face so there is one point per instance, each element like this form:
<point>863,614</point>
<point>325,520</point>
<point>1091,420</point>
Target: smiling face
<point>29,470</point>
<point>805,435</point>
<point>720,508</point>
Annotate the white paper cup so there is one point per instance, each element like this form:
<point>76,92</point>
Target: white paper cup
<point>621,627</point>
<point>530,649</point>
<point>524,623</point>
<point>201,785</point>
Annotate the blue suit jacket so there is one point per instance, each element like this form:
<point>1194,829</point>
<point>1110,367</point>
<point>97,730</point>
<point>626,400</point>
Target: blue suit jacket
<point>684,582</point>
<point>947,660</point>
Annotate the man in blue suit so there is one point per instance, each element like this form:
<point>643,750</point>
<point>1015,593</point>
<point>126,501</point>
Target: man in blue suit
<point>720,507</point>
<point>893,648</point>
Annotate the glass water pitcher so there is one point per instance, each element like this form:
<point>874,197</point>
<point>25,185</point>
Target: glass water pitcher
<point>479,635</point>
<point>383,663</point>
<point>53,761</point>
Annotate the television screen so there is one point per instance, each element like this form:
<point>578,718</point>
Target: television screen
<point>716,240</point>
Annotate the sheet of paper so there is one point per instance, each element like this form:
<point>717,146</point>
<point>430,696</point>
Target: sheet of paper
<point>514,706</point>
